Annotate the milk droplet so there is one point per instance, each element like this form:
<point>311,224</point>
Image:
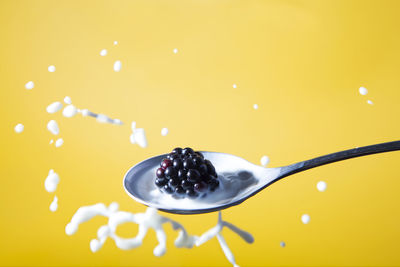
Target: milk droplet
<point>115,42</point>
<point>67,100</point>
<point>29,85</point>
<point>52,126</point>
<point>19,128</point>
<point>102,118</point>
<point>133,125</point>
<point>103,52</point>
<point>234,85</point>
<point>71,229</point>
<point>54,204</point>
<point>69,111</point>
<point>117,121</point>
<point>59,142</point>
<point>140,137</point>
<point>51,182</point>
<point>305,218</point>
<point>117,66</point>
<point>85,112</point>
<point>164,131</point>
<point>95,245</point>
<point>363,90</point>
<point>175,50</point>
<point>54,107</point>
<point>51,141</point>
<point>255,106</point>
<point>370,102</point>
<point>51,68</point>
<point>264,160</point>
<point>321,186</point>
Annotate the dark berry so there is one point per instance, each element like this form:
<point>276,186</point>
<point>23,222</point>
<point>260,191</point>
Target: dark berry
<point>200,187</point>
<point>187,151</point>
<point>166,163</point>
<point>210,167</point>
<point>170,172</point>
<point>177,163</point>
<point>198,161</point>
<point>179,190</point>
<point>193,175</point>
<point>203,169</point>
<point>168,189</point>
<point>199,154</point>
<point>190,192</point>
<point>186,184</point>
<point>160,182</point>
<point>213,184</point>
<point>173,183</point>
<point>182,174</point>
<point>188,164</point>
<point>177,150</point>
<point>173,156</point>
<point>160,173</point>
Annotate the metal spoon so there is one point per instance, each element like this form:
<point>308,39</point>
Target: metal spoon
<point>239,179</point>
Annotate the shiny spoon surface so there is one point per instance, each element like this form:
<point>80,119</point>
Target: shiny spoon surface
<point>239,179</point>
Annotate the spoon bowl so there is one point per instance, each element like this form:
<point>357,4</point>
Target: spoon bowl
<point>239,179</point>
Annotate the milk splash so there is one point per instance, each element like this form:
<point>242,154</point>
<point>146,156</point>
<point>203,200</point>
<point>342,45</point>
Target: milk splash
<point>147,220</point>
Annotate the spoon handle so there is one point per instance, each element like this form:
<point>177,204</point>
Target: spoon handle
<point>338,156</point>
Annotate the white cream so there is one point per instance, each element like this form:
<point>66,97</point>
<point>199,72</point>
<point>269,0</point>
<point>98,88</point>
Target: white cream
<point>54,107</point>
<point>51,68</point>
<point>264,160</point>
<point>103,52</point>
<point>52,126</point>
<point>321,186</point>
<point>117,66</point>
<point>59,142</point>
<point>54,205</point>
<point>363,90</point>
<point>19,128</point>
<point>67,100</point>
<point>164,131</point>
<point>69,111</point>
<point>29,85</point>
<point>51,182</point>
<point>305,218</point>
<point>148,220</point>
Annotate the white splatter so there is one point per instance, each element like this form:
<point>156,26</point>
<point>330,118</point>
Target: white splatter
<point>147,220</point>
<point>139,137</point>
<point>19,128</point>
<point>264,160</point>
<point>255,106</point>
<point>117,66</point>
<point>69,111</point>
<point>54,107</point>
<point>51,182</point>
<point>51,141</point>
<point>115,42</point>
<point>164,131</point>
<point>103,52</point>
<point>175,50</point>
<point>52,126</point>
<point>67,100</point>
<point>51,68</point>
<point>102,118</point>
<point>54,204</point>
<point>363,90</point>
<point>59,142</point>
<point>370,102</point>
<point>29,85</point>
<point>234,86</point>
<point>305,218</point>
<point>321,186</point>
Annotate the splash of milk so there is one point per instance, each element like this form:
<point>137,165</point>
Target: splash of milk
<point>19,128</point>
<point>117,66</point>
<point>234,86</point>
<point>54,205</point>
<point>321,186</point>
<point>67,100</point>
<point>138,136</point>
<point>363,90</point>
<point>52,126</point>
<point>69,111</point>
<point>51,68</point>
<point>51,182</point>
<point>103,52</point>
<point>255,106</point>
<point>305,218</point>
<point>175,50</point>
<point>264,161</point>
<point>164,131</point>
<point>54,107</point>
<point>151,219</point>
<point>59,142</point>
<point>29,85</point>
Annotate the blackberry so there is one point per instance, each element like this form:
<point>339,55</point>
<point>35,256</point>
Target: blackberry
<point>186,173</point>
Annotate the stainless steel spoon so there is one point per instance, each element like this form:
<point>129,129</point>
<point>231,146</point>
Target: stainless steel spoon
<point>239,179</point>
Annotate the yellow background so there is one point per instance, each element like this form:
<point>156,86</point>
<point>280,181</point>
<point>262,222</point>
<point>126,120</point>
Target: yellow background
<point>302,62</point>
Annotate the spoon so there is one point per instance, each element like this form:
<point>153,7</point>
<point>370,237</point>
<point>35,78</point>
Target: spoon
<point>239,179</point>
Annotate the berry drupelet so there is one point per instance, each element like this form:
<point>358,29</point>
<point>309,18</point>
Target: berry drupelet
<point>186,173</point>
